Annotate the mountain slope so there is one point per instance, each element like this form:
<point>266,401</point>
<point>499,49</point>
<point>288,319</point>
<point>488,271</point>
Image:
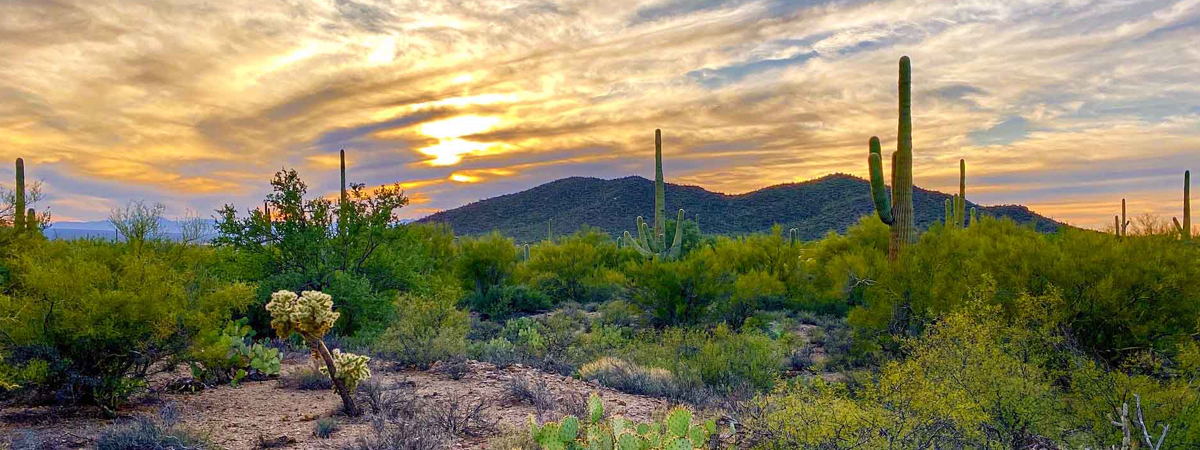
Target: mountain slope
<point>833,202</point>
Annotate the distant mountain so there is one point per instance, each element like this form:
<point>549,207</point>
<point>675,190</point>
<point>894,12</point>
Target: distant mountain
<point>171,229</point>
<point>834,202</point>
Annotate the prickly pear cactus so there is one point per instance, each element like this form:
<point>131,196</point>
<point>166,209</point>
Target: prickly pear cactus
<point>676,432</point>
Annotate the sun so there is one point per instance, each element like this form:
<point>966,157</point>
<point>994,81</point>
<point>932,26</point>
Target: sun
<point>451,147</point>
<point>459,126</point>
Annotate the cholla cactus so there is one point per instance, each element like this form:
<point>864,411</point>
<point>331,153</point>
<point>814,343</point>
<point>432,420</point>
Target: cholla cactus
<point>350,367</point>
<point>311,315</point>
<point>676,432</point>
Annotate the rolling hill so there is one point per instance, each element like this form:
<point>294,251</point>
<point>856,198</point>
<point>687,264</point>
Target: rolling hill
<point>833,202</point>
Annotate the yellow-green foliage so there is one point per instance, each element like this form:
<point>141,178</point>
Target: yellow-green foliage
<point>677,431</point>
<point>1113,305</point>
<point>579,268</point>
<point>100,314</point>
<point>976,380</point>
<point>427,328</point>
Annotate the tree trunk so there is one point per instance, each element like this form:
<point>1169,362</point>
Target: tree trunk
<point>338,384</point>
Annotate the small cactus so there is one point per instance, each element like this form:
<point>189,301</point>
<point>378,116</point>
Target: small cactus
<point>956,209</point>
<point>676,432</point>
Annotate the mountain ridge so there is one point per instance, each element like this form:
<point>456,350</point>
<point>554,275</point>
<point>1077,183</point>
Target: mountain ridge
<point>829,203</point>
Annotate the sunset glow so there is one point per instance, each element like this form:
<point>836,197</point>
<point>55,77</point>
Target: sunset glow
<point>1043,99</point>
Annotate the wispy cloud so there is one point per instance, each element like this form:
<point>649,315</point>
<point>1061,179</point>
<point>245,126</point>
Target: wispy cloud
<point>1063,105</point>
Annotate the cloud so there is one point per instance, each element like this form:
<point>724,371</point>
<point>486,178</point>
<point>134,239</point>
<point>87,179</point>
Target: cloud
<point>1062,105</point>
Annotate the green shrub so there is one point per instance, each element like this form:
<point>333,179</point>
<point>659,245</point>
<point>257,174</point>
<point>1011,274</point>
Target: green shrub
<point>1120,295</point>
<point>976,379</point>
<point>104,315</point>
<point>498,351</point>
<point>502,301</point>
<point>680,292</point>
<point>578,268</point>
<point>346,248</point>
<point>325,427</point>
<point>427,328</point>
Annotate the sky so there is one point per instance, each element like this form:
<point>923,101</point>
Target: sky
<point>1063,106</point>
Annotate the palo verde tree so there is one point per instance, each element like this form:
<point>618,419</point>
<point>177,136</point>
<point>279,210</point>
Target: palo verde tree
<point>297,243</point>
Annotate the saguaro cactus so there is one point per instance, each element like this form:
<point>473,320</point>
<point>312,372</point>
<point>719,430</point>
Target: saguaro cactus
<point>898,210</point>
<point>656,245</point>
<point>1122,225</point>
<point>550,230</point>
<point>19,200</point>
<point>956,210</point>
<point>1185,229</point>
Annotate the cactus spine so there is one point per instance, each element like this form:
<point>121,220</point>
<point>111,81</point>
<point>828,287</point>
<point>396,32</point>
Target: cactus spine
<point>1185,229</point>
<point>649,245</point>
<point>898,210</point>
<point>19,200</point>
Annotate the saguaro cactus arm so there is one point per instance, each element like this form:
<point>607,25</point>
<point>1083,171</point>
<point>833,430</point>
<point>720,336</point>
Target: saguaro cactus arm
<point>677,245</point>
<point>883,203</point>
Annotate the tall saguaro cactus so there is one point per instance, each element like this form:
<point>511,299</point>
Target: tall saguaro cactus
<point>19,200</point>
<point>898,210</point>
<point>1185,229</point>
<point>654,245</point>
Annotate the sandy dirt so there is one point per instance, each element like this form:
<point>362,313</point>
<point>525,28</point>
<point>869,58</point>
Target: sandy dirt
<point>236,418</point>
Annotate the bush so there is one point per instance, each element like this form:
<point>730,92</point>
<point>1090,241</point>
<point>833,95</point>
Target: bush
<point>973,380</point>
<point>502,301</point>
<point>147,433</point>
<point>1120,295</point>
<point>307,379</point>
<point>102,315</point>
<point>680,292</point>
<point>485,263</point>
<point>325,427</point>
<point>426,329</point>
<point>578,268</point>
